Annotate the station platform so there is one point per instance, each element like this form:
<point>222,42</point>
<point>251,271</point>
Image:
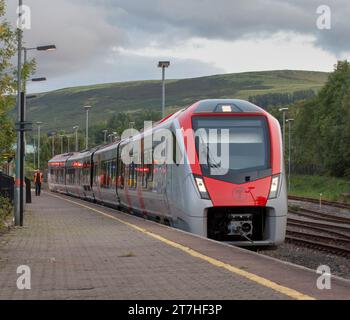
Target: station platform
<point>80,250</point>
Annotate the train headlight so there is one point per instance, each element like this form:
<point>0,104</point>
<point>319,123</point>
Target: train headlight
<point>201,187</point>
<point>275,183</point>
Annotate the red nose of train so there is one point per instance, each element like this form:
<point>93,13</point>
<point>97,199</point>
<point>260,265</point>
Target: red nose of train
<point>253,193</point>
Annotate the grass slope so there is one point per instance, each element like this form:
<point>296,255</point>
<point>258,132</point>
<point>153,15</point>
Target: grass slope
<point>62,109</point>
<point>331,188</point>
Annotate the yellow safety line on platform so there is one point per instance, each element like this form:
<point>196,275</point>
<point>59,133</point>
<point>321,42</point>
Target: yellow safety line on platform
<point>248,275</point>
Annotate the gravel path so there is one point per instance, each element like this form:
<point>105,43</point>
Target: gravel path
<point>340,266</point>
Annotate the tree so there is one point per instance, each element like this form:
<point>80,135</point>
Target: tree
<point>322,134</point>
<point>7,83</point>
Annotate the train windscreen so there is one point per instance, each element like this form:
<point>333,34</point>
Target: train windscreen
<point>232,148</point>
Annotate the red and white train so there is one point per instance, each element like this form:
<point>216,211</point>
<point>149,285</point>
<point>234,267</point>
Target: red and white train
<point>246,205</point>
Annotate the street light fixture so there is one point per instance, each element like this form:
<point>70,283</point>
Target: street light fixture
<point>87,108</point>
<point>50,47</point>
<point>38,79</point>
<point>76,138</point>
<point>289,121</point>
<point>163,65</point>
<point>284,110</point>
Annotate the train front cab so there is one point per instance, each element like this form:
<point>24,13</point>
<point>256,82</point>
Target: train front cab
<point>248,205</point>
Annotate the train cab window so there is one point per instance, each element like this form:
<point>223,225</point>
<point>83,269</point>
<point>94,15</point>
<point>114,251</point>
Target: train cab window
<point>233,148</point>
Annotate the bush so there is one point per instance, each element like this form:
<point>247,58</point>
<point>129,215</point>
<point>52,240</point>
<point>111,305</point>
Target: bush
<point>6,209</point>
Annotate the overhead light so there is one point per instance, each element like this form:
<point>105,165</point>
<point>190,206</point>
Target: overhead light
<point>51,47</point>
<point>163,64</point>
<point>226,108</point>
<point>38,79</point>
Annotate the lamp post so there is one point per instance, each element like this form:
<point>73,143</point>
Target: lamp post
<point>87,108</point>
<point>68,146</point>
<point>53,145</point>
<point>289,121</point>
<point>283,110</point>
<point>22,125</point>
<point>18,208</point>
<point>61,136</point>
<point>104,136</point>
<point>34,152</point>
<point>76,138</point>
<point>39,123</point>
<point>163,65</point>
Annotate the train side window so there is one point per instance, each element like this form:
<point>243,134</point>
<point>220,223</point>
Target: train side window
<point>114,172</point>
<point>121,173</point>
<point>147,170</point>
<point>132,175</point>
<point>96,174</point>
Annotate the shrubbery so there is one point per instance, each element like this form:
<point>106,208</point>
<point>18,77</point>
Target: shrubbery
<point>6,208</point>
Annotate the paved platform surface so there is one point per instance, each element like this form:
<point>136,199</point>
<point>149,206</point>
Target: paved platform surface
<point>79,250</point>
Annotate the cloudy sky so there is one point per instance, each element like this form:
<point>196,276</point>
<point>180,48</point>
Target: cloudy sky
<point>119,40</point>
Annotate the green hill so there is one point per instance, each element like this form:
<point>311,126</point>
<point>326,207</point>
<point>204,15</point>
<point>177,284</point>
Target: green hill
<point>62,109</point>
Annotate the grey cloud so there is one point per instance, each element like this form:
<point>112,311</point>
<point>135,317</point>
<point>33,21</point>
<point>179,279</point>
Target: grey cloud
<point>80,32</point>
<point>128,68</point>
<point>231,20</point>
<point>86,30</point>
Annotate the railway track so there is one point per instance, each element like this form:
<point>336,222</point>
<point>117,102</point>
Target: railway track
<point>330,248</point>
<point>322,232</point>
<point>324,202</point>
<point>314,223</point>
<point>320,215</point>
<point>321,229</point>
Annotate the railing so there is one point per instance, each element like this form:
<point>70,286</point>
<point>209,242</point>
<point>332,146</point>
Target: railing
<point>7,185</point>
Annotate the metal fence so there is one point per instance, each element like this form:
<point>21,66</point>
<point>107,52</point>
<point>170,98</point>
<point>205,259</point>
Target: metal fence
<point>7,185</point>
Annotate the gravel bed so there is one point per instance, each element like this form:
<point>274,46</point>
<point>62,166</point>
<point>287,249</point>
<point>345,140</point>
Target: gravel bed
<point>310,258</point>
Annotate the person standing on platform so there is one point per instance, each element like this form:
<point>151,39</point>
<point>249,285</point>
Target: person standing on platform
<point>38,180</point>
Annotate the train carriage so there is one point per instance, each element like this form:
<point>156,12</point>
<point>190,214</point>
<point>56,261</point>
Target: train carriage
<point>79,174</point>
<point>57,173</point>
<point>104,175</point>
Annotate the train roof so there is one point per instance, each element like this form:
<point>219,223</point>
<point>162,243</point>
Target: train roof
<point>80,155</point>
<point>62,157</point>
<point>226,105</point>
<point>107,147</point>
